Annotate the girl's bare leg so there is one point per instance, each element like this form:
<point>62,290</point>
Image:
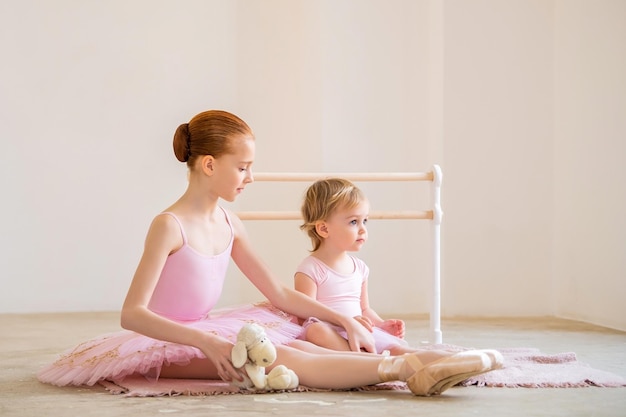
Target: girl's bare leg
<point>197,369</point>
<point>401,350</point>
<point>425,372</point>
<point>318,367</point>
<point>310,347</point>
<point>429,354</point>
<point>205,369</point>
<point>201,368</point>
<point>331,369</point>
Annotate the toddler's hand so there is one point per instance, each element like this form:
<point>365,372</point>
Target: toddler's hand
<point>394,326</point>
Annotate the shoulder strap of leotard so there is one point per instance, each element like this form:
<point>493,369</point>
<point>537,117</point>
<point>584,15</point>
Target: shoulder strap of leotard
<point>182,231</point>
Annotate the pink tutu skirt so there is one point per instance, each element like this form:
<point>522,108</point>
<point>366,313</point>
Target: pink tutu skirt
<point>119,354</point>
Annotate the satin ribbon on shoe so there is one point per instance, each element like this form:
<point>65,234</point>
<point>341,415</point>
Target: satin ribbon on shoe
<point>437,376</point>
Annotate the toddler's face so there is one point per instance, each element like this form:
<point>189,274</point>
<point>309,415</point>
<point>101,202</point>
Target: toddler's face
<point>347,227</point>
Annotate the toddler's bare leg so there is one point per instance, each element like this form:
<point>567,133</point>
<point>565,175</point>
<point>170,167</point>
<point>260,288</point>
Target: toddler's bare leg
<point>323,335</point>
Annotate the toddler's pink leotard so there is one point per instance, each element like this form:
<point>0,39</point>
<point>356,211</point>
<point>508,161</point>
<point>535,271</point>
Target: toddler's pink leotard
<point>188,289</point>
<point>342,292</point>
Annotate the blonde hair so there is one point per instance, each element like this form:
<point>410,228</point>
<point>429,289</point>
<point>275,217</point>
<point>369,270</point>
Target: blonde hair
<point>322,199</point>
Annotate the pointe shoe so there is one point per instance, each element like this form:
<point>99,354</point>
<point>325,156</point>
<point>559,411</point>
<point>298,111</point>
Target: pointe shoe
<point>497,360</point>
<point>436,377</point>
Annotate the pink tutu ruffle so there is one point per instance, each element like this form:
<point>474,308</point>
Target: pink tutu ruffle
<point>119,354</point>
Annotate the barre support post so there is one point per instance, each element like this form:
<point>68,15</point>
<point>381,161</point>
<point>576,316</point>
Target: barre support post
<point>436,335</point>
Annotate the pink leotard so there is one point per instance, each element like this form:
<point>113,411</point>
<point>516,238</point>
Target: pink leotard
<point>191,283</point>
<point>342,293</point>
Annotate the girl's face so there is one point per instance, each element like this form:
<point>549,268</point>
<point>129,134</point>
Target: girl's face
<point>234,171</point>
<point>346,228</point>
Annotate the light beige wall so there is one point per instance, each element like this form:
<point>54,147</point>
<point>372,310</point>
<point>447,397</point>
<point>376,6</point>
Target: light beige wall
<point>589,169</point>
<point>93,94</point>
<point>337,87</point>
<point>90,95</point>
<point>498,153</point>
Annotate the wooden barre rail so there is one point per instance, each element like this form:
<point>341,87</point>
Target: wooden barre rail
<point>295,215</point>
<point>353,176</point>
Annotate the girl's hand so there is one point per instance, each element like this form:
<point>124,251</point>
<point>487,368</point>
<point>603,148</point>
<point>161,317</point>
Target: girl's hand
<point>395,327</point>
<point>366,322</point>
<point>218,350</point>
<point>359,337</point>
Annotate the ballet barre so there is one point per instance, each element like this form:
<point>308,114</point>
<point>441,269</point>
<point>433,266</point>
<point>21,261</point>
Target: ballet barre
<point>435,215</point>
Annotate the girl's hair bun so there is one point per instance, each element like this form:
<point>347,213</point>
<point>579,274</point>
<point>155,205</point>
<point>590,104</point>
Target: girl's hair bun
<point>182,142</point>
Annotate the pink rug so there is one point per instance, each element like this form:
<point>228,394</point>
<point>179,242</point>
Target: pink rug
<point>523,367</point>
<point>529,368</point>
